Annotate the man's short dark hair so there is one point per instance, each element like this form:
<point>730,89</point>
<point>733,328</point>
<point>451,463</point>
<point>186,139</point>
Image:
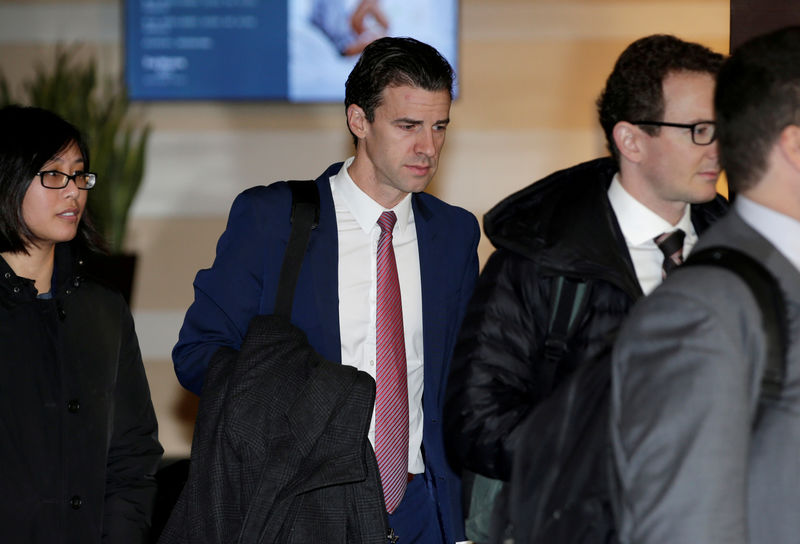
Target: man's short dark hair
<point>634,90</point>
<point>29,138</point>
<point>393,62</point>
<point>757,96</point>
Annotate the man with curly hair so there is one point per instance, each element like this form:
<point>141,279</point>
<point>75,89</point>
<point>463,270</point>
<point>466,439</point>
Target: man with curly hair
<point>596,223</point>
<point>705,448</point>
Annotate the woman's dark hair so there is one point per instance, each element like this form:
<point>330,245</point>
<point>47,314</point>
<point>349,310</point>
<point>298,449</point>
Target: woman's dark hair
<point>392,62</point>
<point>29,138</point>
<point>634,90</point>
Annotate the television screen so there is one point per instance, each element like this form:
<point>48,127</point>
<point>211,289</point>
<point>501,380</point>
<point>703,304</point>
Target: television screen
<point>296,50</point>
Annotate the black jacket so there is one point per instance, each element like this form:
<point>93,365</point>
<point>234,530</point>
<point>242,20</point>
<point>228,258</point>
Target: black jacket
<point>562,225</point>
<point>78,437</point>
<point>280,450</point>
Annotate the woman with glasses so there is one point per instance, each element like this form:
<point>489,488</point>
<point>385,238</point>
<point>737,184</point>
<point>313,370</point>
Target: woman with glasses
<point>78,440</point>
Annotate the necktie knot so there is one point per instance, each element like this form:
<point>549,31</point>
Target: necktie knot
<point>671,245</point>
<point>386,222</point>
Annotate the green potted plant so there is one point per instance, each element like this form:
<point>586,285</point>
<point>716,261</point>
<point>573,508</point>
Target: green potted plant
<point>117,141</point>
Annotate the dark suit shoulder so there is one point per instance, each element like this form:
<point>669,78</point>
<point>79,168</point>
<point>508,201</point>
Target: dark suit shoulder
<point>433,207</point>
<point>271,195</point>
<point>273,201</point>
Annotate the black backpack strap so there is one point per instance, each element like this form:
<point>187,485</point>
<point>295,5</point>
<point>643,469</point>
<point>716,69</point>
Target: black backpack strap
<point>567,303</point>
<point>304,218</point>
<point>771,302</point>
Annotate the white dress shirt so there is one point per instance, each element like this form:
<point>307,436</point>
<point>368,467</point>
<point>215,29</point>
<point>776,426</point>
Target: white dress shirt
<point>356,219</point>
<point>640,225</point>
<point>782,231</point>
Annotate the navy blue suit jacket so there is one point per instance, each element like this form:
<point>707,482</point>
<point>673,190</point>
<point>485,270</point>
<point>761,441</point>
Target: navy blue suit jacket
<point>243,279</point>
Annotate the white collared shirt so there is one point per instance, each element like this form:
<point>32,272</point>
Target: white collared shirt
<point>640,225</point>
<point>356,219</point>
<point>782,231</point>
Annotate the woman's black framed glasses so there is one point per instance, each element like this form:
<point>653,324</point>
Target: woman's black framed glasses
<point>53,179</point>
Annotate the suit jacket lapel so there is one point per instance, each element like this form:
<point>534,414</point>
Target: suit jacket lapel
<point>434,281</point>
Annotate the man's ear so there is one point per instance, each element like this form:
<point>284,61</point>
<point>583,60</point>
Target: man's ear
<point>357,121</point>
<point>789,144</point>
<point>627,137</point>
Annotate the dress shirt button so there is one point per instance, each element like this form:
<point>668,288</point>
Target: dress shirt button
<point>7,275</point>
<point>73,406</point>
<point>16,289</point>
<point>75,502</point>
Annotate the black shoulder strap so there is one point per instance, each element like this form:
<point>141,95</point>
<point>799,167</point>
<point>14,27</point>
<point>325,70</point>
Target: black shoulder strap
<point>567,302</point>
<point>771,302</point>
<point>305,218</point>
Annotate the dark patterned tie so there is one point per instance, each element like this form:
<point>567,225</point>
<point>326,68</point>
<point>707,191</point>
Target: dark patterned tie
<point>671,245</point>
<point>391,378</point>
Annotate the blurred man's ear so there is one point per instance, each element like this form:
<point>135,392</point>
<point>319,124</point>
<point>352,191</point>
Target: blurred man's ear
<point>789,144</point>
<point>627,137</point>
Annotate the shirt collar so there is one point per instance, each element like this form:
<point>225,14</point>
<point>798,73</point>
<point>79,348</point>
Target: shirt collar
<point>782,231</point>
<point>365,210</point>
<point>638,222</point>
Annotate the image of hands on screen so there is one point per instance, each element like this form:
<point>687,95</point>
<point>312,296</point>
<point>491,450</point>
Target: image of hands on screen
<point>349,28</point>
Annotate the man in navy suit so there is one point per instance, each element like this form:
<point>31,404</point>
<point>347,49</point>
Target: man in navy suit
<point>397,103</point>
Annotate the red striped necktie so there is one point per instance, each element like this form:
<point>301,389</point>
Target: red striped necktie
<point>391,399</point>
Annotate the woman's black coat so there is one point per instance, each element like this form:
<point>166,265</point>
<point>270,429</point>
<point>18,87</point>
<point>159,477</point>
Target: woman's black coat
<point>78,434</point>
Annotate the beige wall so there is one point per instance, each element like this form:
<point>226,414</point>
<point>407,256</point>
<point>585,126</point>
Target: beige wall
<point>530,71</point>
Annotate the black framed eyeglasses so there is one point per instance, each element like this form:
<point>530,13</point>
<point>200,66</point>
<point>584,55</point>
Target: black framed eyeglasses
<point>703,133</point>
<point>53,179</point>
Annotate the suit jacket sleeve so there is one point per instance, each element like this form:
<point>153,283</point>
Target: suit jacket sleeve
<point>229,294</point>
<point>134,450</point>
<point>685,376</point>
